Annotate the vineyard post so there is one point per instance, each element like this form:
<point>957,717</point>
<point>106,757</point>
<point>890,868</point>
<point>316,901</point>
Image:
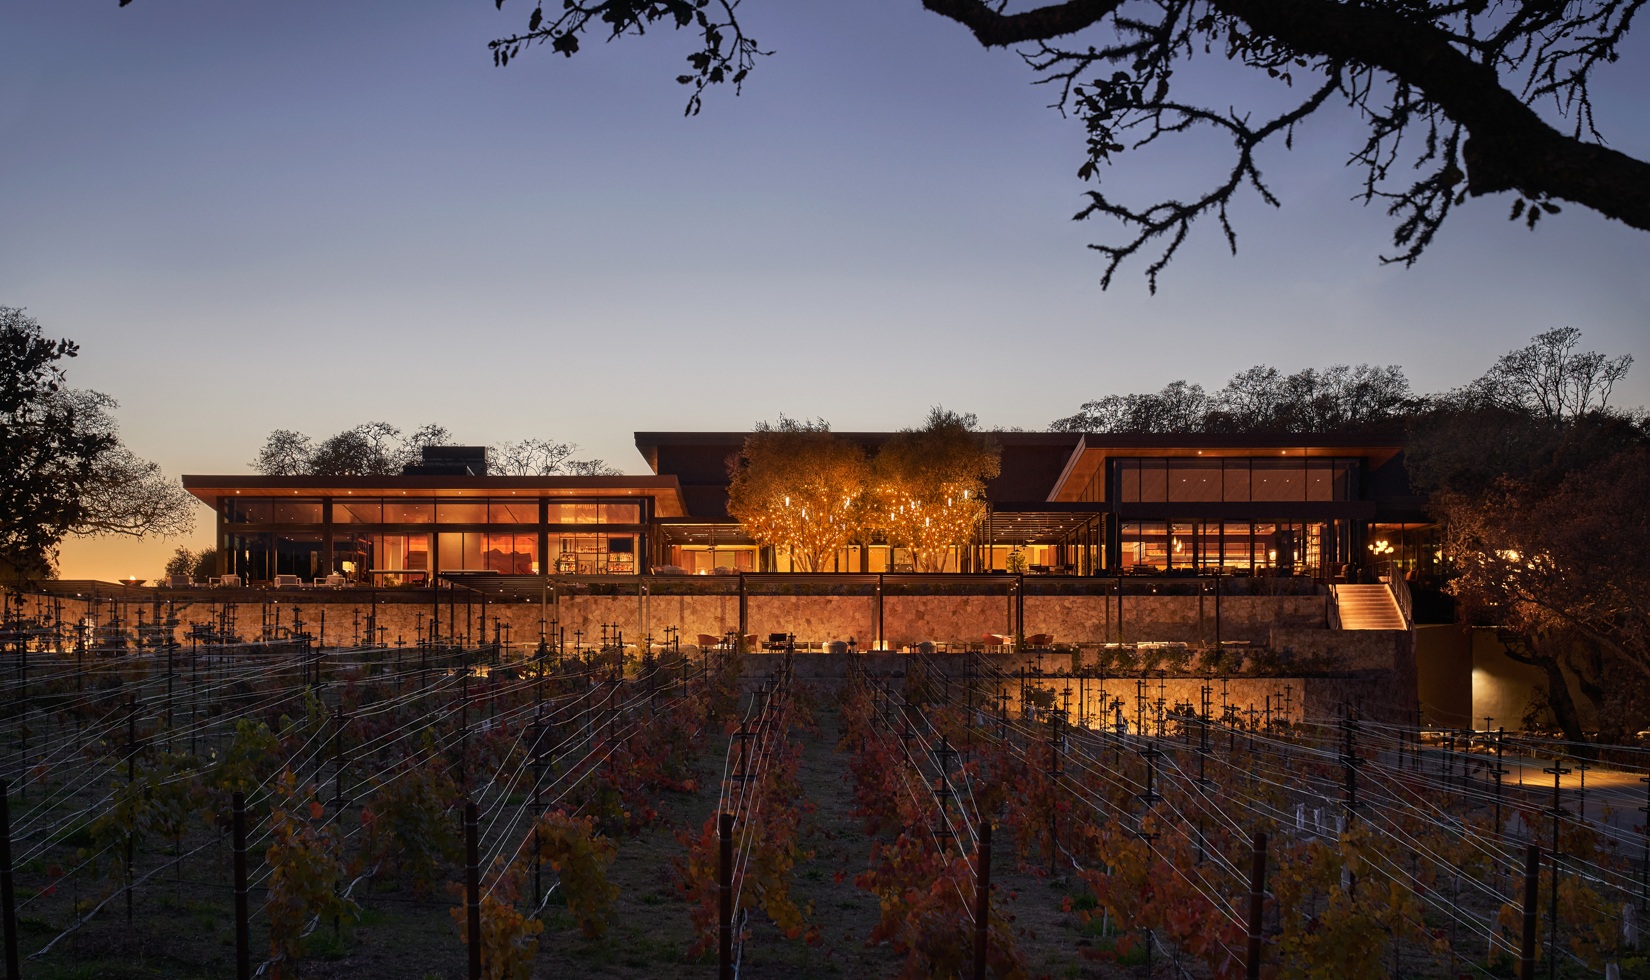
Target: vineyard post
<point>243,936</point>
<point>1644,895</point>
<point>472,888</point>
<point>194,691</point>
<point>724,884</point>
<point>170,676</point>
<point>338,758</point>
<point>131,776</point>
<point>538,779</point>
<point>982,897</point>
<point>1257,902</point>
<point>1532,895</point>
<point>464,718</point>
<point>1556,812</point>
<point>1499,772</point>
<point>8,901</point>
<point>23,698</point>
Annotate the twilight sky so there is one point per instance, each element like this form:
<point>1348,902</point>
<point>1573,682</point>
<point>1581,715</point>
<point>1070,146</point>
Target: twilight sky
<point>310,214</point>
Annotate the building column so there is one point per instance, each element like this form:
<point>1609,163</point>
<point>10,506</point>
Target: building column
<point>223,541</point>
<point>876,614</point>
<point>326,537</point>
<point>545,566</point>
<point>744,612</point>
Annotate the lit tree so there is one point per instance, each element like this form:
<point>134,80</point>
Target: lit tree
<point>928,486</point>
<point>798,487</point>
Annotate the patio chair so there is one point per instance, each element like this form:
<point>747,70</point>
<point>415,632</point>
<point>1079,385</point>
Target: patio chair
<point>1040,640</point>
<point>336,581</point>
<point>706,641</point>
<point>179,582</point>
<point>229,581</point>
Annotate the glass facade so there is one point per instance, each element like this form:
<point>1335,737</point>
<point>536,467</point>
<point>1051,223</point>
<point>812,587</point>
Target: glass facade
<point>594,554</point>
<point>1233,547</point>
<point>367,540</point>
<point>1242,480</point>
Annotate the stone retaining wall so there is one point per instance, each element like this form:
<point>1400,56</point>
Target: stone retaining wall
<point>1378,693</point>
<point>906,619</point>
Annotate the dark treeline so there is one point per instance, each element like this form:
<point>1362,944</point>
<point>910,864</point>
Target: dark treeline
<point>1538,412</point>
<point>1550,378</point>
<point>379,449</point>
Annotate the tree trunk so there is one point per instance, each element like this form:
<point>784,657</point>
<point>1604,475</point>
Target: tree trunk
<point>1558,698</point>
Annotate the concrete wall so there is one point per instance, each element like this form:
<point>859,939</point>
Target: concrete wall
<point>1502,688</point>
<point>1443,661</point>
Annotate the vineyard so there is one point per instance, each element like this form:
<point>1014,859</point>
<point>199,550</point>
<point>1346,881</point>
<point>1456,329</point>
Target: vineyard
<point>221,798</point>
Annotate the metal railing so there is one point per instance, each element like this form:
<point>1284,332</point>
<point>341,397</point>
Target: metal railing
<point>1393,576</point>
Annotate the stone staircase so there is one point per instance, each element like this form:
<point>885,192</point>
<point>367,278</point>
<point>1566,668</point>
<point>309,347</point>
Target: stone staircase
<point>1368,607</point>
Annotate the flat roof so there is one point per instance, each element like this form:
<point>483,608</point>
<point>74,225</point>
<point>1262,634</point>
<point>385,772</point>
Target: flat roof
<point>665,490</point>
<point>1093,449</point>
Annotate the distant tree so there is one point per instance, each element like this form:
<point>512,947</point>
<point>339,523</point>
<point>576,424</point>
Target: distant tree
<point>1539,413</point>
<point>1442,90</point>
<point>423,437</point>
<point>285,453</point>
<point>529,457</point>
<point>66,471</point>
<point>590,467</point>
<point>1261,399</point>
<point>346,454</point>
<point>1467,449</point>
<point>927,488</point>
<point>797,487</point>
<point>1549,378</point>
<point>1179,407</point>
<point>369,449</point>
<point>182,562</point>
<point>195,565</point>
<point>385,450</point>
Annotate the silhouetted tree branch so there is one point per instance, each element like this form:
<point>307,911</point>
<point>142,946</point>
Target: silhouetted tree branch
<point>1458,80</point>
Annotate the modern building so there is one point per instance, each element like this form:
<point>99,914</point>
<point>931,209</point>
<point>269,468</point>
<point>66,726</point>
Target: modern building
<point>1068,503</point>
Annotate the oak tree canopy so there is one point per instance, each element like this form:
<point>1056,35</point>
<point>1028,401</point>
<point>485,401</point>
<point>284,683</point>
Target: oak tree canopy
<point>1448,92</point>
<point>66,470</point>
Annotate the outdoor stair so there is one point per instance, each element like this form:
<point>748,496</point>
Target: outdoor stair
<point>1368,607</point>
